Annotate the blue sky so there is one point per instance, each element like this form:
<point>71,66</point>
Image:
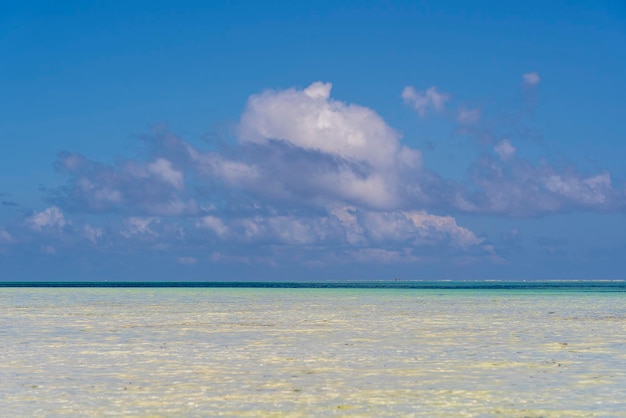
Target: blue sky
<point>333,140</point>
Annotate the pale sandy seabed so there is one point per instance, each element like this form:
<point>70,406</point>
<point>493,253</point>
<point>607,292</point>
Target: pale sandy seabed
<point>311,352</point>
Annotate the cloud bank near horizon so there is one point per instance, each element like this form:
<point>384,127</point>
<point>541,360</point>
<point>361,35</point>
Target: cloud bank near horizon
<point>309,175</point>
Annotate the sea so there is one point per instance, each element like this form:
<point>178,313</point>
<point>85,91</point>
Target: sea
<point>364,349</point>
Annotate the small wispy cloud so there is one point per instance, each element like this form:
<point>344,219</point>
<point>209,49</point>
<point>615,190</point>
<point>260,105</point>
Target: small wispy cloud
<point>187,260</point>
<point>380,256</point>
<point>466,116</point>
<point>531,79</point>
<point>51,217</point>
<point>212,223</point>
<point>140,226</point>
<point>422,101</point>
<point>504,149</point>
<point>92,233</point>
<point>5,237</point>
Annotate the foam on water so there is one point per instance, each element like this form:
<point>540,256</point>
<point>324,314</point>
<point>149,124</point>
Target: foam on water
<point>260,351</point>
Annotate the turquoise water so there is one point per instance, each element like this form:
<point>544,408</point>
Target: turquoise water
<point>275,351</point>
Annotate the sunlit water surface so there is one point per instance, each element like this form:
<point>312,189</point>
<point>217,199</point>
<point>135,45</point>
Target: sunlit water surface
<point>311,352</point>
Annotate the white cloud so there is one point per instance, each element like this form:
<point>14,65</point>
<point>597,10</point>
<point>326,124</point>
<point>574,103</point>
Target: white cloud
<point>72,161</point>
<point>154,188</point>
<point>5,237</point>
<point>162,168</point>
<point>234,173</point>
<point>380,256</point>
<point>521,189</point>
<point>422,101</point>
<point>531,79</point>
<point>346,185</point>
<point>281,230</point>
<point>49,218</point>
<point>139,226</point>
<point>101,195</point>
<point>319,90</point>
<point>447,225</point>
<point>311,120</point>
<point>417,228</point>
<point>212,223</point>
<point>314,174</point>
<point>302,145</point>
<point>174,207</point>
<point>345,226</point>
<point>468,116</point>
<point>308,144</point>
<point>347,217</point>
<point>220,257</point>
<point>504,149</point>
<point>594,190</point>
<point>92,233</point>
<point>292,230</point>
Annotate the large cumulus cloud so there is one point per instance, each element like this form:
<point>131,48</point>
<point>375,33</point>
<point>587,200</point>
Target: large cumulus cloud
<point>363,159</point>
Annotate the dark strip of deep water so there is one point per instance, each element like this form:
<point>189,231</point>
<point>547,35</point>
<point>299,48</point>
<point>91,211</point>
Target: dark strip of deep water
<point>588,285</point>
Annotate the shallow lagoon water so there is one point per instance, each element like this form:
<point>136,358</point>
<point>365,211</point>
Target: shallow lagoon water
<point>312,352</point>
